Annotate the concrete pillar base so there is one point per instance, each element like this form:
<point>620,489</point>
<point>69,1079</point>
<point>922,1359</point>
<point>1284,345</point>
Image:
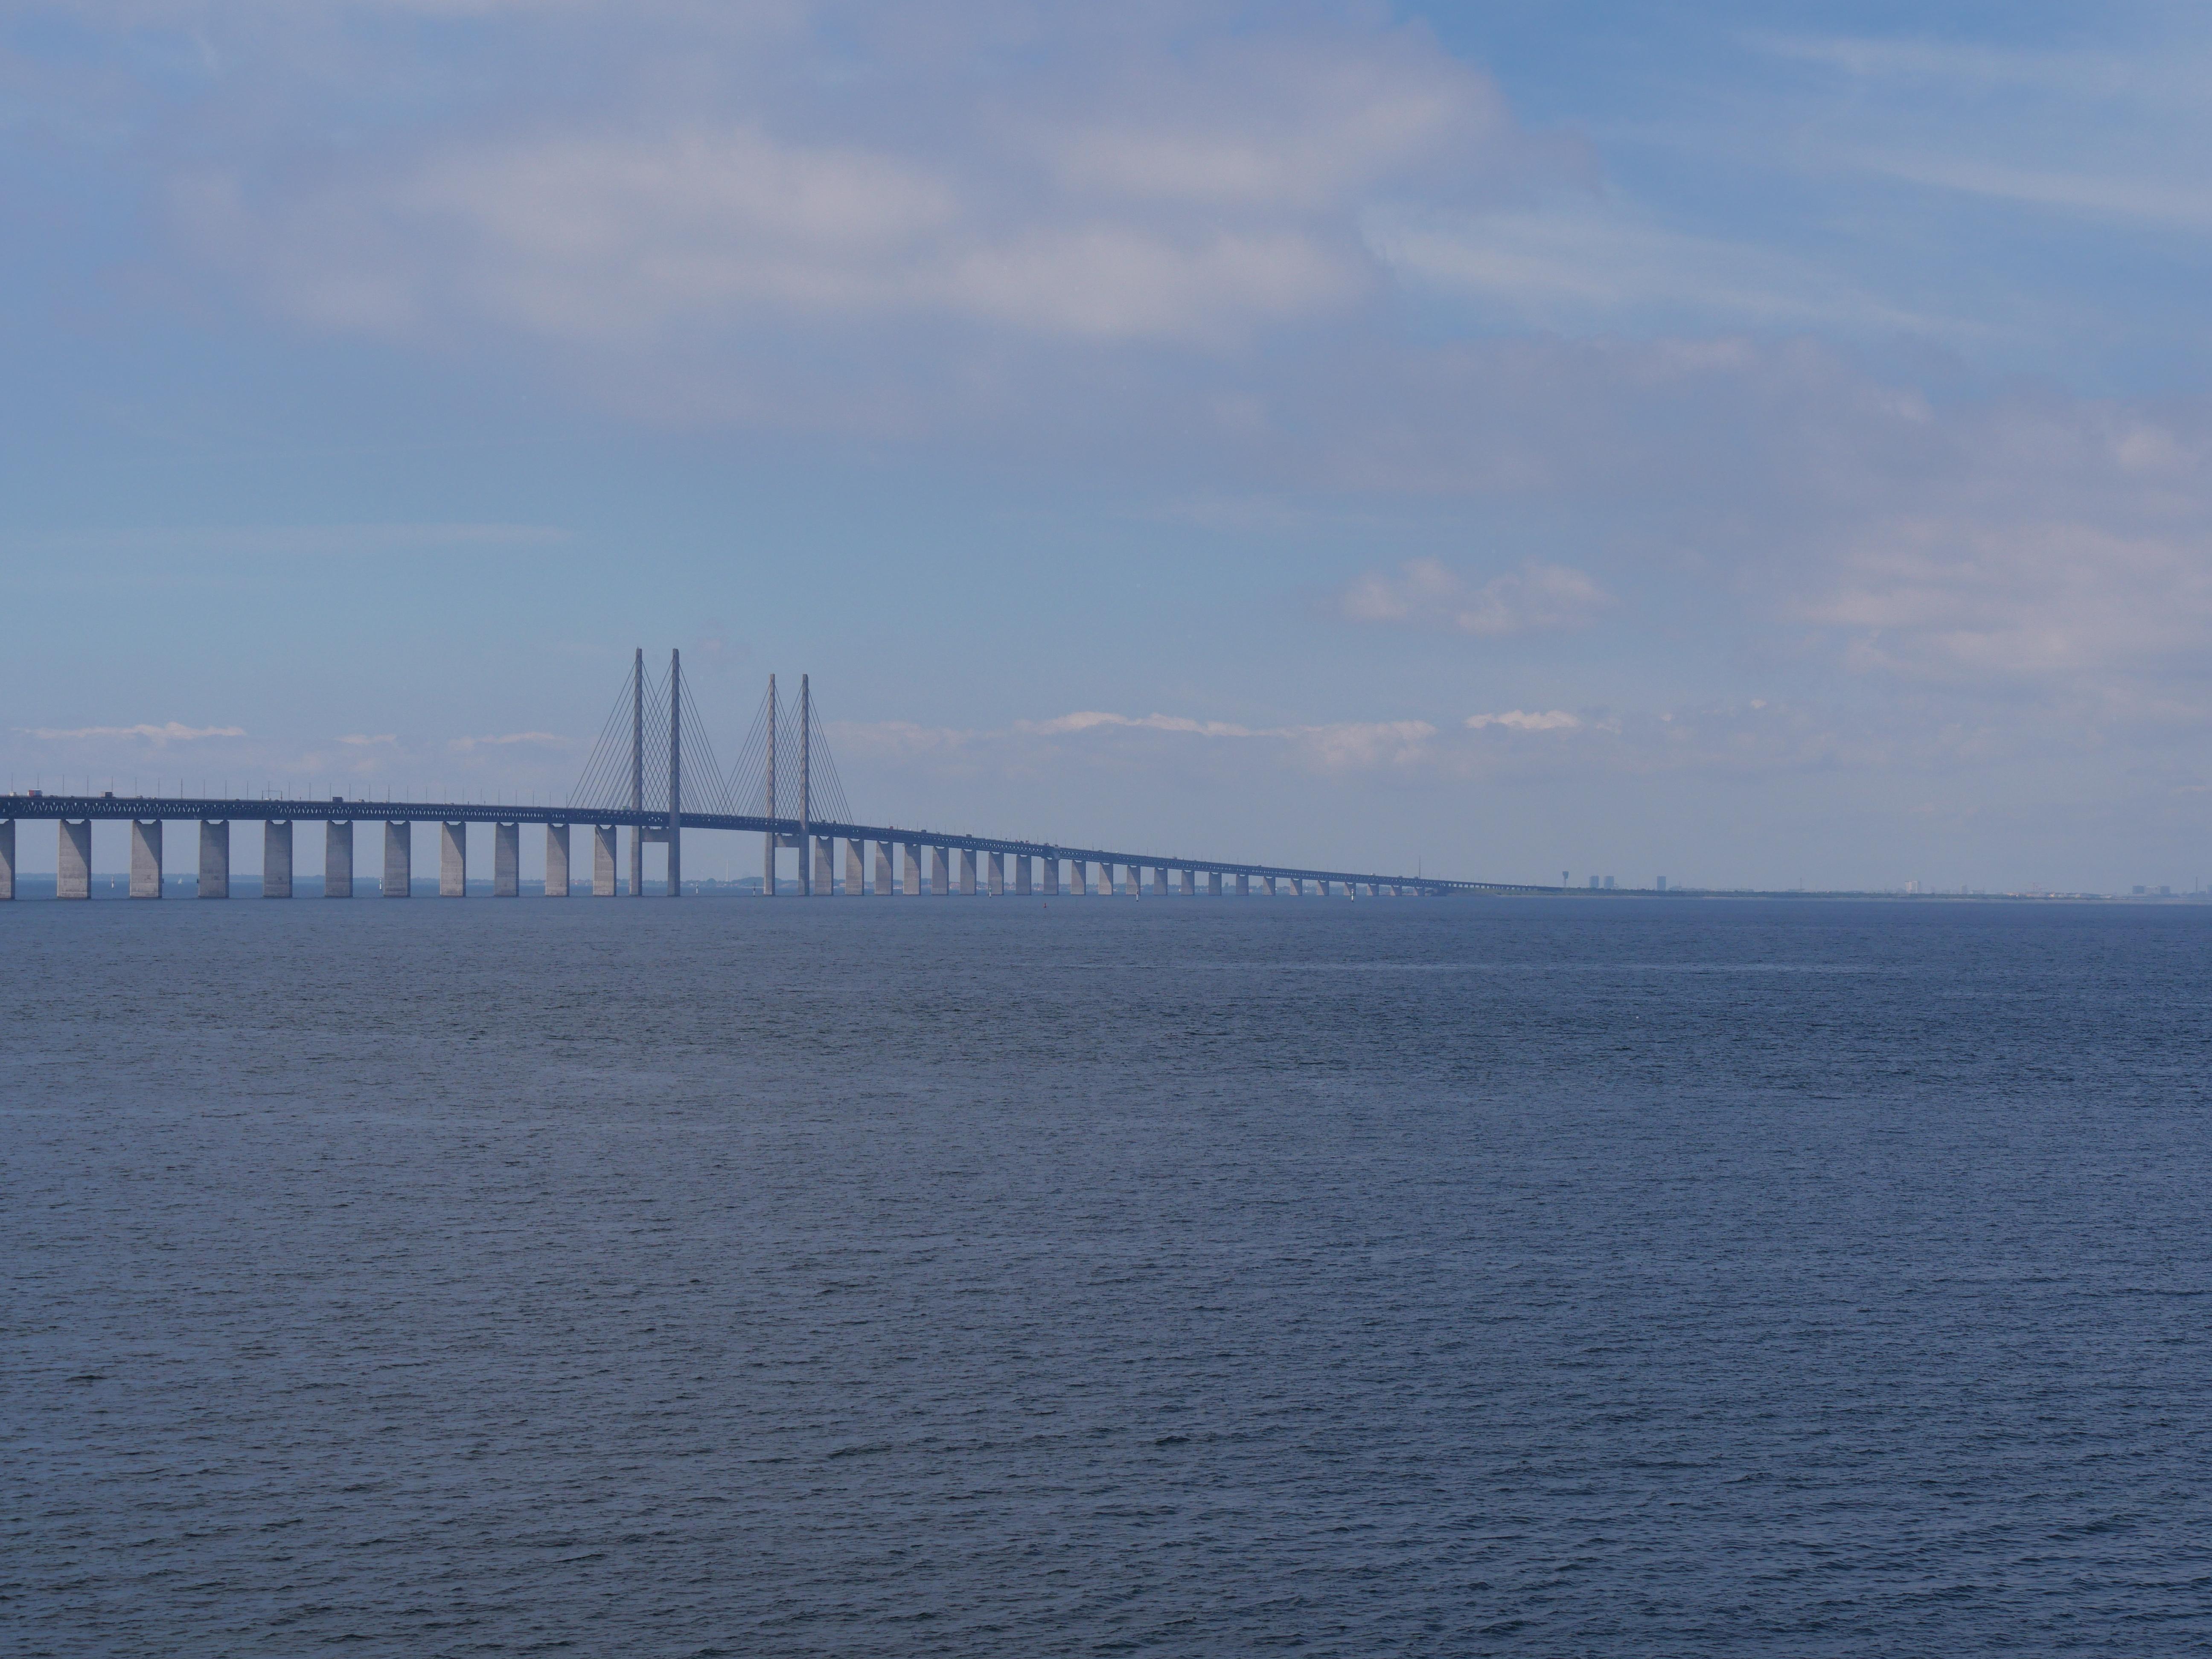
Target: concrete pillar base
<point>605,853</point>
<point>145,858</point>
<point>73,872</point>
<point>215,860</point>
<point>856,856</point>
<point>275,859</point>
<point>506,860</point>
<point>338,858</point>
<point>557,861</point>
<point>452,860</point>
<point>968,872</point>
<point>6,858</point>
<point>399,861</point>
<point>910,870</point>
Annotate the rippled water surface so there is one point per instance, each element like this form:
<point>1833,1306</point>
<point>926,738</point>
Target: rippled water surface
<point>1184,1277</point>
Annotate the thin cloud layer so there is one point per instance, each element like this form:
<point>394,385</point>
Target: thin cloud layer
<point>1424,594</point>
<point>1152,183</point>
<point>161,736</point>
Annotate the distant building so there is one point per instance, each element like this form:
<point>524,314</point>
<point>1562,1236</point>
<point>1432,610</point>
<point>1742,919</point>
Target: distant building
<point>2140,890</point>
<point>1662,883</point>
<point>1608,883</point>
<point>1911,886</point>
<point>1593,883</point>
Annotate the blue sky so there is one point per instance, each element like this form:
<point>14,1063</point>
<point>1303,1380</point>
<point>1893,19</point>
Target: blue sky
<point>1749,444</point>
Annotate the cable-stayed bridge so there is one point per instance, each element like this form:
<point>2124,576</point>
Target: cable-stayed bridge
<point>652,773</point>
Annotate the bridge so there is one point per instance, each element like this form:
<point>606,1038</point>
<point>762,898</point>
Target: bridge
<point>652,774</point>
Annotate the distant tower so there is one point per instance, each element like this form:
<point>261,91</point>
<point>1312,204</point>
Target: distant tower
<point>767,841</point>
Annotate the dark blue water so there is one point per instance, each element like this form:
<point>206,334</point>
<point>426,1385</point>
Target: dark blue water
<point>1185,1277</point>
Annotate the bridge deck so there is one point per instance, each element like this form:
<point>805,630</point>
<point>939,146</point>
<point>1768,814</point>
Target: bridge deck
<point>127,808</point>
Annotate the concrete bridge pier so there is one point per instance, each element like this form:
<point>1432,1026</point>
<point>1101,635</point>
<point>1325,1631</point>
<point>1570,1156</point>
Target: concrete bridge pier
<point>994,874</point>
<point>1213,883</point>
<point>825,865</point>
<point>1190,884</point>
<point>941,870</point>
<point>1159,881</point>
<point>398,860</point>
<point>214,859</point>
<point>910,870</point>
<point>338,858</point>
<point>856,868</point>
<point>6,858</point>
<point>276,858</point>
<point>506,860</point>
<point>968,872</point>
<point>557,861</point>
<point>145,857</point>
<point>1052,877</point>
<point>73,873</point>
<point>453,861</point>
<point>1024,873</point>
<point>885,886</point>
<point>1078,876</point>
<point>604,852</point>
<point>1243,887</point>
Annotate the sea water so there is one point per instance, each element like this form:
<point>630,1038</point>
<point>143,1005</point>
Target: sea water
<point>1089,1276</point>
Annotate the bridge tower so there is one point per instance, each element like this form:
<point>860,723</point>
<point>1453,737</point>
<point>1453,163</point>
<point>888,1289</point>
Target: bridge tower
<point>637,775</point>
<point>767,841</point>
<point>675,774</point>
<point>805,788</point>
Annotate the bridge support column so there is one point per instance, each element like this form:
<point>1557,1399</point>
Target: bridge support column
<point>1190,884</point>
<point>145,858</point>
<point>1052,877</point>
<point>825,865</point>
<point>1024,872</point>
<point>557,861</point>
<point>73,873</point>
<point>214,858</point>
<point>276,858</point>
<point>6,858</point>
<point>338,858</point>
<point>398,860</point>
<point>606,851</point>
<point>885,885</point>
<point>856,862</point>
<point>1213,883</point>
<point>941,870</point>
<point>1159,881</point>
<point>506,860</point>
<point>1078,877</point>
<point>994,874</point>
<point>1243,887</point>
<point>968,872</point>
<point>453,861</point>
<point>910,870</point>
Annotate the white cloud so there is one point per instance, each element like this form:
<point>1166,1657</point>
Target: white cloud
<point>1424,592</point>
<point>167,733</point>
<point>1521,719</point>
<point>2069,602</point>
<point>1585,262</point>
<point>362,739</point>
<point>463,745</point>
<point>1177,181</point>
